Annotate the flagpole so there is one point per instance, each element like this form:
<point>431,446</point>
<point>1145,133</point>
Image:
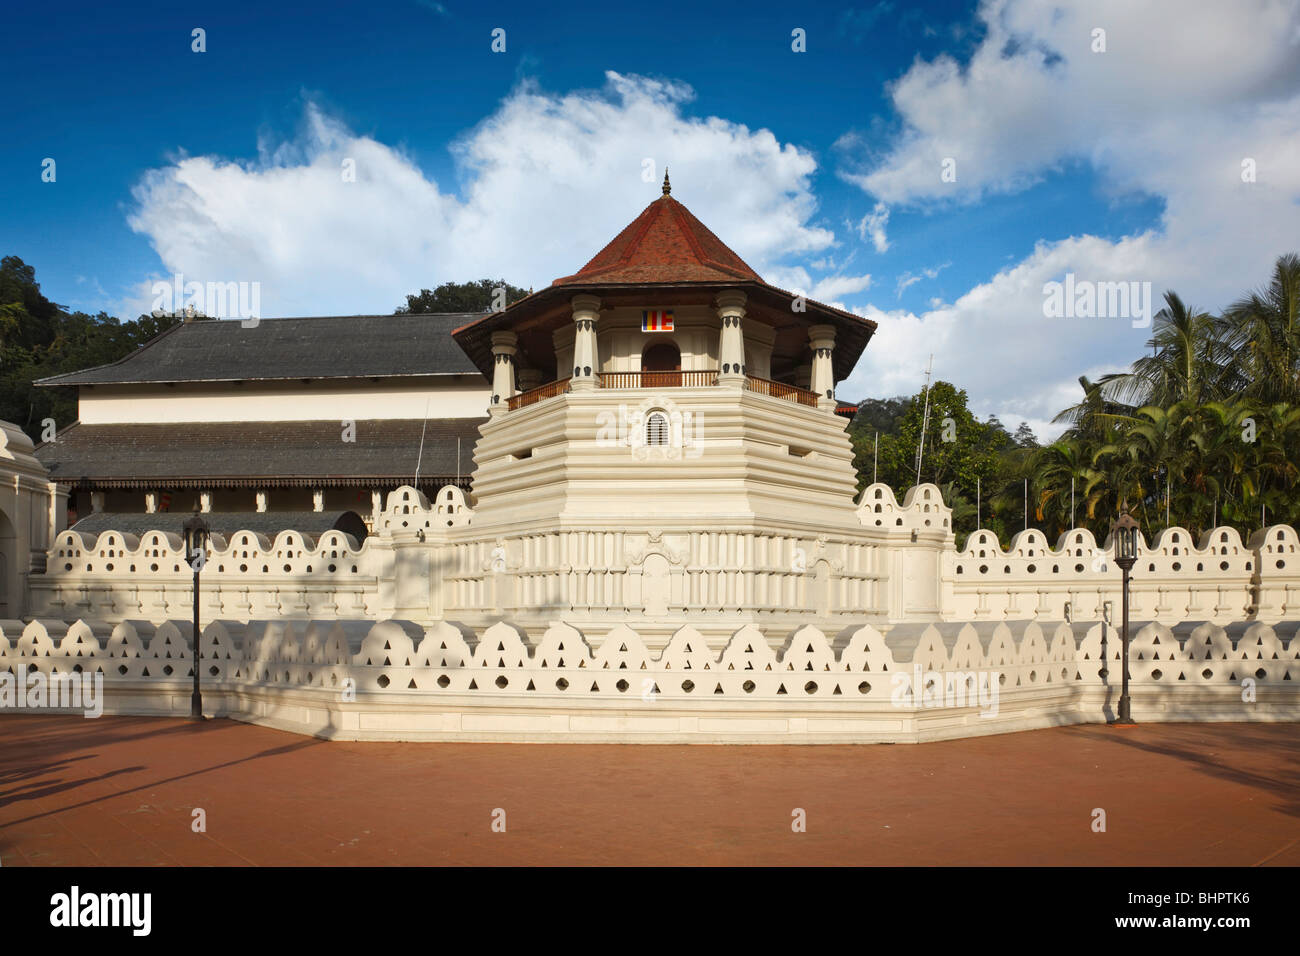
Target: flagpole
<point>875,459</point>
<point>925,420</point>
<point>977,503</point>
<point>1026,504</point>
<point>419,458</point>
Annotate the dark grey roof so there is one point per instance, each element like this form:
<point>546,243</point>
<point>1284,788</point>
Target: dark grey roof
<point>339,346</point>
<point>226,523</point>
<point>271,454</point>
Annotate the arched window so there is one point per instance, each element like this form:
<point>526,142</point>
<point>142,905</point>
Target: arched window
<point>656,429</point>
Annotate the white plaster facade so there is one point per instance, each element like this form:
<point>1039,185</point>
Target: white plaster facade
<point>449,629</point>
<point>433,560</point>
<point>648,554</point>
<point>450,396</point>
<point>32,510</point>
<point>396,680</point>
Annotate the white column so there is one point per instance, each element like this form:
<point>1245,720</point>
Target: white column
<point>205,502</point>
<point>262,499</point>
<point>96,501</point>
<point>586,363</point>
<point>318,500</point>
<point>504,347</point>
<point>151,502</point>
<point>731,346</point>
<point>822,338</point>
<point>58,510</point>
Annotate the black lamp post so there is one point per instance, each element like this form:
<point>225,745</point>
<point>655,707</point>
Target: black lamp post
<point>196,543</point>
<point>1125,533</point>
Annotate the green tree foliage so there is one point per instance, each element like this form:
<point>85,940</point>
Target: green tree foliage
<point>1189,360</point>
<point>881,414</point>
<point>961,452</point>
<point>461,297</point>
<point>39,338</point>
<point>1262,330</point>
<point>1202,431</point>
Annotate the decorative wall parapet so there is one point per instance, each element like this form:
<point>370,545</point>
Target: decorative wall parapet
<point>118,576</point>
<point>1176,578</point>
<point>397,679</point>
<point>429,560</point>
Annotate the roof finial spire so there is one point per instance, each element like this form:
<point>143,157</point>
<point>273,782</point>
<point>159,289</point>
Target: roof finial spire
<point>668,187</point>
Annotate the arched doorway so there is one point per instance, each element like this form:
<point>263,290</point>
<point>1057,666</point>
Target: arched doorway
<point>661,366</point>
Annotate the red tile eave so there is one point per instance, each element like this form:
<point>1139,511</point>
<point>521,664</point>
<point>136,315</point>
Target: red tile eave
<point>823,307</point>
<point>531,298</point>
<point>599,286</point>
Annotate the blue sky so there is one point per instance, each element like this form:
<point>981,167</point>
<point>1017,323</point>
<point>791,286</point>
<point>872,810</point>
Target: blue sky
<point>820,167</point>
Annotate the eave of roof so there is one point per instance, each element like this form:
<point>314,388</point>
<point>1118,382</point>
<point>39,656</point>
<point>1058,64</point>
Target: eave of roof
<point>474,338</point>
<point>230,454</point>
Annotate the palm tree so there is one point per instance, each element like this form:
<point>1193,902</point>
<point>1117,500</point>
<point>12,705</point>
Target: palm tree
<point>1263,330</point>
<point>1087,419</point>
<point>1065,483</point>
<point>1279,466</point>
<point>1222,456</point>
<point>1189,361</point>
<point>1157,446</point>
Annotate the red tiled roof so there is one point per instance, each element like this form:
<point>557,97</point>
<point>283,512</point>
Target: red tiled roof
<point>663,244</point>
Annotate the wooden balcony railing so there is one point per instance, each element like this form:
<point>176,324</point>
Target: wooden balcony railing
<point>688,379</point>
<point>791,393</point>
<point>534,395</point>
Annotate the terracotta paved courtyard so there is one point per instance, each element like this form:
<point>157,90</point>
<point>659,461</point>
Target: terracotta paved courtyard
<point>121,790</point>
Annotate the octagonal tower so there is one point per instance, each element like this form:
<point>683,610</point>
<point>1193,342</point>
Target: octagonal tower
<point>663,450</point>
<point>665,384</point>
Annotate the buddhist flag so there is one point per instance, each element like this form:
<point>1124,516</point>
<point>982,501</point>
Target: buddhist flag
<point>656,320</point>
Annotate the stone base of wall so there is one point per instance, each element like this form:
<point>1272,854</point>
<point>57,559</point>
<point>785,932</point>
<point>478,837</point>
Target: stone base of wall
<point>520,721</point>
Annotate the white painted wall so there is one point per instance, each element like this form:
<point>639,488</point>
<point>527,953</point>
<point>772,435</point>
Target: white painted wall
<point>452,396</point>
<point>501,682</point>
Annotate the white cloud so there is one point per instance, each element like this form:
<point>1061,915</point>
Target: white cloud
<point>872,226</point>
<point>549,179</point>
<point>995,342</point>
<point>908,279</point>
<point>1007,117</point>
<point>1152,120</point>
<point>832,287</point>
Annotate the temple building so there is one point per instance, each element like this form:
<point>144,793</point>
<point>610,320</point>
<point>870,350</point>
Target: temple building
<point>624,508</point>
<point>281,416</point>
<point>301,416</point>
